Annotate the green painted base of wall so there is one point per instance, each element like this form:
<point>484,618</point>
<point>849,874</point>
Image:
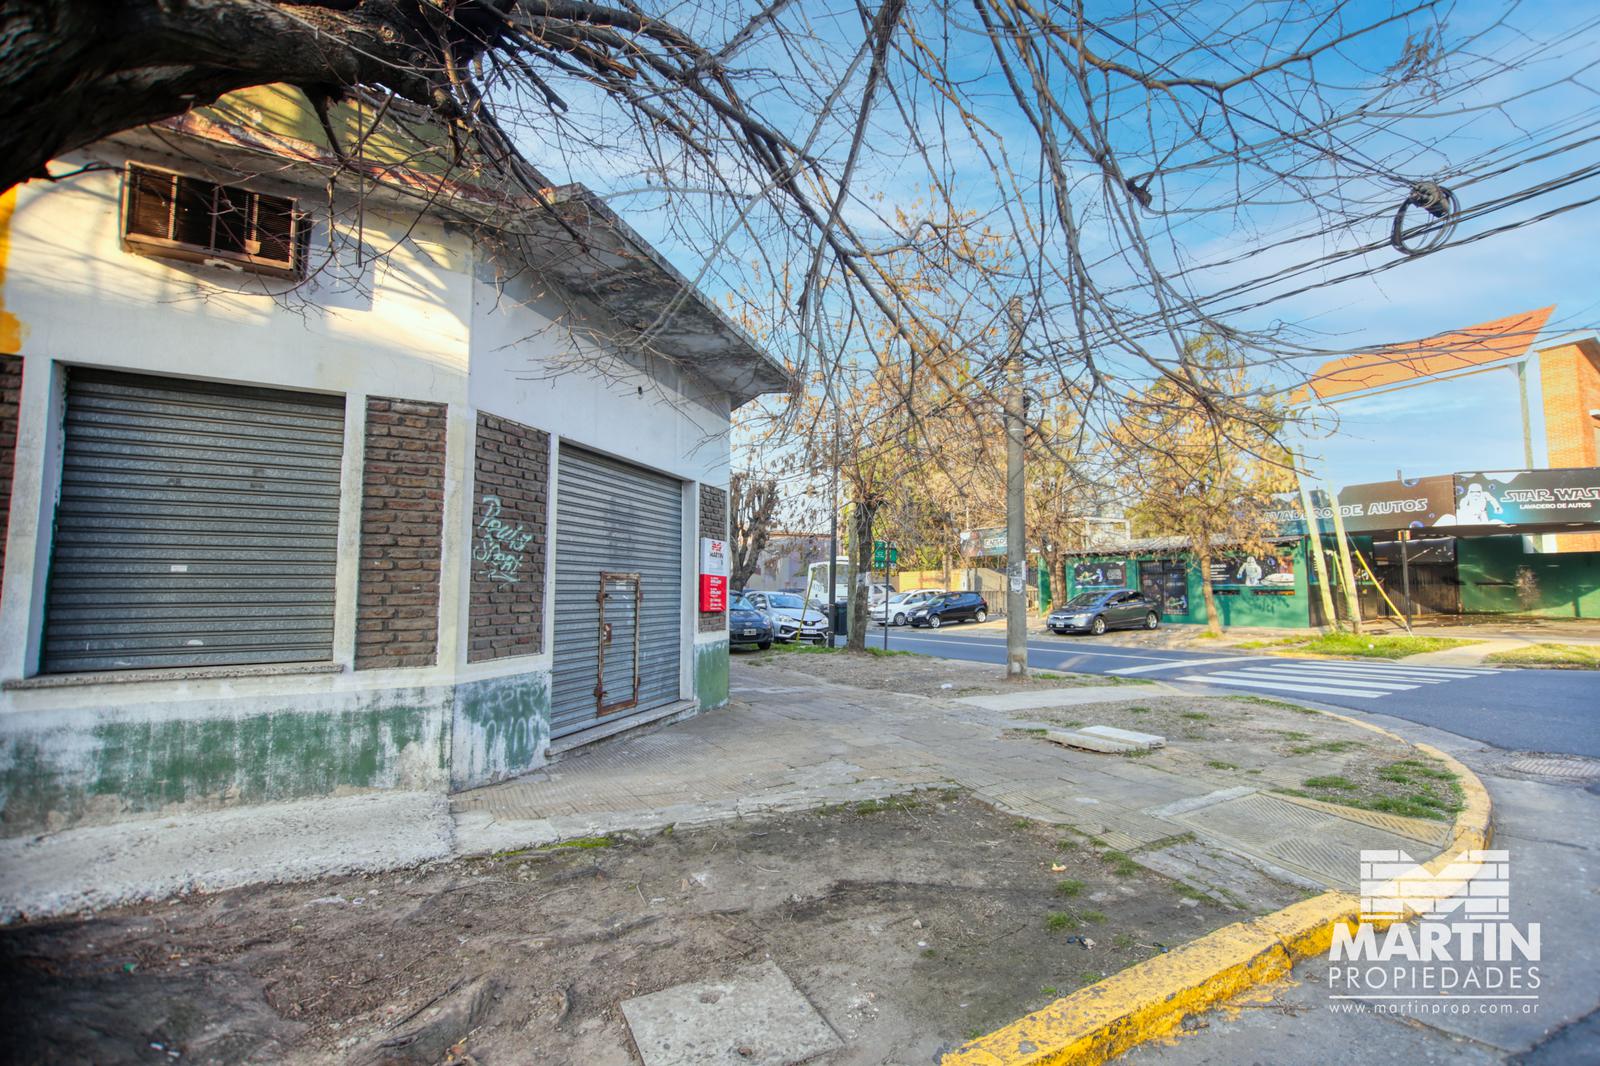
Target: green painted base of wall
<point>62,768</point>
<point>711,674</point>
<point>501,728</point>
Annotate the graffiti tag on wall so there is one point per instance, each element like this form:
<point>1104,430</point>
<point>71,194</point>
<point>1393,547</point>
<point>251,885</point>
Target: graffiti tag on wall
<point>499,546</point>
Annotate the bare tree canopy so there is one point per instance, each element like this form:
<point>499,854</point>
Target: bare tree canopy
<point>874,183</point>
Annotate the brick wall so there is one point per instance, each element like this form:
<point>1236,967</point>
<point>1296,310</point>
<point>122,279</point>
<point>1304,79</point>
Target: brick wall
<point>402,525</point>
<point>511,479</point>
<point>713,523</point>
<point>10,402</point>
<point>1569,379</point>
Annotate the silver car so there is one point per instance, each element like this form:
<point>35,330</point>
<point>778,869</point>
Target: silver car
<point>790,617</point>
<point>897,609</point>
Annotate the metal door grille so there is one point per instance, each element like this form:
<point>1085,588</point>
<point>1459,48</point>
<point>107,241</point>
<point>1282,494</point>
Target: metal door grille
<point>616,685</point>
<point>614,518</point>
<point>197,525</point>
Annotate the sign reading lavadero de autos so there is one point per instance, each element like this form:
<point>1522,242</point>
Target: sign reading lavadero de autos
<point>1412,504</point>
<point>1527,497</point>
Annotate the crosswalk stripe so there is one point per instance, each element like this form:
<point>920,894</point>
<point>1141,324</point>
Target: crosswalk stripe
<point>1386,671</point>
<point>1288,675</point>
<point>1180,664</point>
<point>1443,671</point>
<point>1282,686</point>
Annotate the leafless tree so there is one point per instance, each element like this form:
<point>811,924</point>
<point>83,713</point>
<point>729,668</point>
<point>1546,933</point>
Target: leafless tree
<point>874,185</point>
<point>753,502</point>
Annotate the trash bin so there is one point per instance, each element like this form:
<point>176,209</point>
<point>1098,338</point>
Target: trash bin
<point>841,619</point>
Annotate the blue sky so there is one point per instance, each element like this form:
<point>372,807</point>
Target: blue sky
<point>1469,424</point>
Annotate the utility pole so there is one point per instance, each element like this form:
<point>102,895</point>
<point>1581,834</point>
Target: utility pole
<point>1527,430</point>
<point>1347,575</point>
<point>1314,547</point>
<point>831,599</point>
<point>1016,533</point>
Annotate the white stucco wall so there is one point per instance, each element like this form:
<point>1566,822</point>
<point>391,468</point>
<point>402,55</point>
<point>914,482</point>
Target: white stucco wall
<point>401,307</point>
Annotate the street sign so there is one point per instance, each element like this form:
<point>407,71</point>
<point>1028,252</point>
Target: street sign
<point>883,555</point>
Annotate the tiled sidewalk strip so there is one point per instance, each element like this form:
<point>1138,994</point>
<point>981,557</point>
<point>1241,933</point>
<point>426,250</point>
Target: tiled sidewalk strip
<point>1151,999</point>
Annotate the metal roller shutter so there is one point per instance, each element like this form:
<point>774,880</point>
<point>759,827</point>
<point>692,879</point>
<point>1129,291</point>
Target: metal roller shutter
<point>614,518</point>
<point>197,525</point>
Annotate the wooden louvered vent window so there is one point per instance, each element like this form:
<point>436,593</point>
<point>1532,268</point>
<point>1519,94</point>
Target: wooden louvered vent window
<point>178,217</point>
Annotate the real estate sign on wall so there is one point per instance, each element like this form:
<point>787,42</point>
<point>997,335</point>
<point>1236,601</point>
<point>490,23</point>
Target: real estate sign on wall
<point>713,574</point>
<point>1527,497</point>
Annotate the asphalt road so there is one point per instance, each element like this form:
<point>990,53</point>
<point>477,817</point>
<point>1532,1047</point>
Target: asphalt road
<point>1520,710</point>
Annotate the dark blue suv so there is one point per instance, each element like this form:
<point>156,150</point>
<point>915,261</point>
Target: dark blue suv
<point>954,607</point>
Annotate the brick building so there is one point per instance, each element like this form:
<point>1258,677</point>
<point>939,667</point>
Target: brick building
<point>312,497</point>
<point>1569,380</point>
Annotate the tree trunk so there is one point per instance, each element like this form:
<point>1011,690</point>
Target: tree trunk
<point>945,558</point>
<point>861,555</point>
<point>1058,581</point>
<point>1213,619</point>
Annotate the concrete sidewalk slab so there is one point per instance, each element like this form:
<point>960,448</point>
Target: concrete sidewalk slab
<point>102,866</point>
<point>1037,699</point>
<point>757,1017</point>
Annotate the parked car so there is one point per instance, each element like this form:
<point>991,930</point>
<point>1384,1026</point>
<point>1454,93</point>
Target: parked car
<point>790,618</point>
<point>746,625</point>
<point>897,609</point>
<point>1096,612</point>
<point>952,607</point>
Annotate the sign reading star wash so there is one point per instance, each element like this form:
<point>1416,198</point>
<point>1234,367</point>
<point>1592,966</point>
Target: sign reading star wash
<point>1528,497</point>
<point>713,575</point>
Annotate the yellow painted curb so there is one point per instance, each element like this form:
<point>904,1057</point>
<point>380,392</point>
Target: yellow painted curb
<point>1150,999</point>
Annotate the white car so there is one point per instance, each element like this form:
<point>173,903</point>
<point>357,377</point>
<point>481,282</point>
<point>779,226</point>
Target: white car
<point>791,617</point>
<point>897,609</point>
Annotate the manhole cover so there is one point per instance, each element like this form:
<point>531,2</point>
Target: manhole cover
<point>1567,767</point>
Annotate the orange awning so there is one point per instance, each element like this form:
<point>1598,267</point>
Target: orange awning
<point>1395,364</point>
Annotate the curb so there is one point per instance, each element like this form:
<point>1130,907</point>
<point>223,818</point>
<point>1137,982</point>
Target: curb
<point>1151,999</point>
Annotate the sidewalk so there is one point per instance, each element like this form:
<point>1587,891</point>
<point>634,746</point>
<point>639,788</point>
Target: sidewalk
<point>1204,809</point>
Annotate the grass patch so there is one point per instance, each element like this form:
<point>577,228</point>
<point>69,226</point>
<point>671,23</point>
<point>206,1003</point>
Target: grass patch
<point>1123,941</point>
<point>1412,788</point>
<point>1094,916</point>
<point>1267,701</point>
<point>1045,675</point>
<point>1061,921</point>
<point>579,842</point>
<point>1050,992</point>
<point>1218,764</point>
<point>891,803</point>
<point>794,647</point>
<point>885,653</point>
<point>1196,716</point>
<point>1378,647</point>
<point>1558,656</point>
<point>1122,864</point>
<point>1334,747</point>
<point>1070,887</point>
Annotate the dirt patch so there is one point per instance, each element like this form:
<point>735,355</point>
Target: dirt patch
<point>1225,734</point>
<point>911,923</point>
<point>916,675</point>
